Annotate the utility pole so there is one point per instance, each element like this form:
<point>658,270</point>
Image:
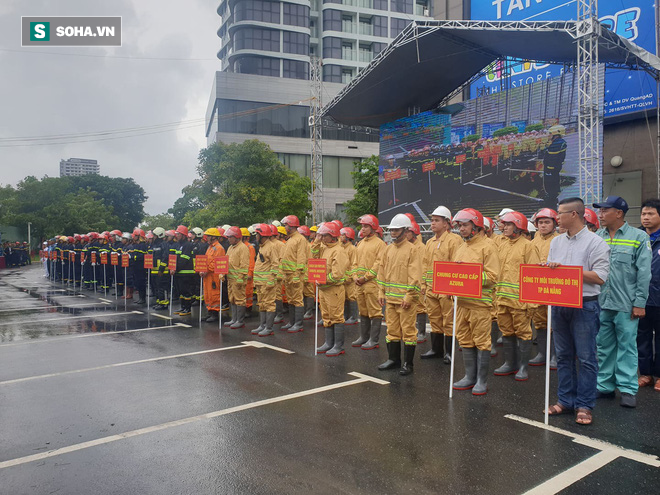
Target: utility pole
<point>316,81</point>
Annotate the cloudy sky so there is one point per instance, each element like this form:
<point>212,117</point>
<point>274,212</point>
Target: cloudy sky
<point>87,89</point>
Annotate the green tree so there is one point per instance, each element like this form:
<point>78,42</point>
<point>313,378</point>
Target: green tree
<point>241,184</point>
<point>365,178</point>
<point>164,220</point>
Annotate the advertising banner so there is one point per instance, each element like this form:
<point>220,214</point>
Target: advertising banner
<point>458,279</point>
<point>561,286</point>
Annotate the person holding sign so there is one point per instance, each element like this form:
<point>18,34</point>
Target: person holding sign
<point>265,280</point>
<point>514,317</point>
<point>575,329</point>
<point>399,280</point>
<point>546,223</point>
<point>473,316</point>
<point>211,280</point>
<point>239,265</point>
<point>332,294</point>
<point>441,247</point>
<point>622,301</point>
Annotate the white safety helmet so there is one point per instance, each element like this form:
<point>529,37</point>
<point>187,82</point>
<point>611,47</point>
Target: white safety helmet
<point>400,221</point>
<point>198,232</point>
<point>277,223</point>
<point>126,235</point>
<point>159,232</point>
<point>531,227</point>
<point>505,211</point>
<point>252,230</point>
<point>557,129</point>
<point>442,211</point>
<point>487,224</point>
<point>226,226</point>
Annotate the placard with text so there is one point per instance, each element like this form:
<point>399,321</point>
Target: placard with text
<point>148,261</point>
<point>114,259</point>
<point>561,286</point>
<point>458,279</point>
<point>124,260</point>
<point>200,263</point>
<point>93,258</point>
<point>222,265</point>
<point>317,271</point>
<point>104,258</point>
<point>171,263</point>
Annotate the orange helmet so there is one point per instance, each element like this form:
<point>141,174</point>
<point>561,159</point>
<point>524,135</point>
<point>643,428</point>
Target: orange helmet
<point>369,220</point>
<point>470,215</point>
<point>591,217</point>
<point>517,219</point>
<point>545,213</point>
<point>348,232</point>
<point>181,229</point>
<point>415,228</point>
<point>291,221</point>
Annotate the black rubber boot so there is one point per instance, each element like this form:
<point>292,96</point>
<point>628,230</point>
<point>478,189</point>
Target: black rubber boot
<point>365,327</point>
<point>394,356</point>
<point>483,362</point>
<point>436,349</point>
<point>421,328</point>
<point>338,347</point>
<point>262,323</point>
<point>542,341</point>
<point>352,313</point>
<point>298,314</point>
<point>268,330</point>
<point>374,334</point>
<point>292,318</point>
<point>494,335</point>
<point>329,340</point>
<point>309,308</point>
<point>240,318</point>
<point>143,298</point>
<point>232,308</point>
<point>408,355</point>
<point>447,344</point>
<point>213,316</point>
<point>510,365</point>
<point>470,363</point>
<point>279,312</point>
<point>524,351</point>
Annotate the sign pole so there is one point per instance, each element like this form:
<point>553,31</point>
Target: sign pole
<point>201,281</point>
<point>171,290</point>
<point>316,321</point>
<point>82,274</point>
<point>429,182</point>
<point>116,282</point>
<point>105,282</point>
<point>547,364</point>
<point>220,312</point>
<point>68,282</point>
<point>125,288</point>
<point>94,270</point>
<point>453,351</point>
<point>62,270</point>
<point>393,192</point>
<point>148,288</point>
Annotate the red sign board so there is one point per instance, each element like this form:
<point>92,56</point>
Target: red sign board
<point>82,258</point>
<point>392,174</point>
<point>458,279</point>
<point>201,263</point>
<point>93,257</point>
<point>114,259</point>
<point>222,265</point>
<point>171,262</point>
<point>104,258</point>
<point>317,271</point>
<point>72,256</point>
<point>561,286</point>
<point>460,158</point>
<point>148,261</point>
<point>428,166</point>
<point>124,260</point>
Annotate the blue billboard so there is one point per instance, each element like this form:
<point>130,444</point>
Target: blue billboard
<point>625,91</point>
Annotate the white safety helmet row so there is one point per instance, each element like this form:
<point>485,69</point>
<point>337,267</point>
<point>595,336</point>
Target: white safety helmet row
<point>442,211</point>
<point>400,221</point>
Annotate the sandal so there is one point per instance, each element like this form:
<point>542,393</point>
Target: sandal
<point>644,380</point>
<point>583,416</point>
<point>656,387</point>
<point>558,409</point>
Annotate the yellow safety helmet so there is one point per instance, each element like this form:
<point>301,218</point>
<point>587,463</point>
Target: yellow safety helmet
<point>63,238</point>
<point>213,232</point>
<point>281,230</point>
<point>557,129</point>
<point>245,232</point>
<point>314,228</point>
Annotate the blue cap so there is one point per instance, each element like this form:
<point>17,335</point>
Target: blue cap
<point>613,202</point>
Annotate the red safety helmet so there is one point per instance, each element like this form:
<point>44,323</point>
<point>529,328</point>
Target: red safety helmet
<point>182,229</point>
<point>517,219</point>
<point>150,235</point>
<point>222,232</point>
<point>490,224</point>
<point>339,223</point>
<point>85,238</point>
<point>411,216</point>
<point>273,229</point>
<point>105,232</point>
<point>415,228</point>
<point>94,235</point>
<point>191,236</point>
<point>70,238</point>
<point>234,232</point>
<point>291,221</point>
<point>264,230</point>
<point>348,232</point>
<point>380,232</point>
<point>369,220</point>
<point>77,237</point>
<point>170,233</point>
<point>591,217</point>
<point>545,213</point>
<point>138,232</point>
<point>304,230</point>
<point>330,228</point>
<point>116,232</point>
<point>470,215</point>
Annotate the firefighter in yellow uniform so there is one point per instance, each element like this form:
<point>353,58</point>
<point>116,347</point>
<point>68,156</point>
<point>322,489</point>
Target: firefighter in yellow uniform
<point>293,265</point>
<point>351,307</point>
<point>309,289</point>
<point>399,280</point>
<point>546,222</point>
<point>441,247</point>
<point>239,265</point>
<point>514,317</point>
<point>211,279</point>
<point>265,280</point>
<point>415,238</point>
<point>489,225</point>
<point>279,250</point>
<point>473,315</point>
<point>249,287</point>
<point>369,252</point>
<point>333,293</point>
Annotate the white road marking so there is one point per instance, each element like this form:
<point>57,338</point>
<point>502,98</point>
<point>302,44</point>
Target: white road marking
<point>608,452</point>
<point>106,300</point>
<point>181,422</point>
<point>257,344</point>
<point>63,306</point>
<point>161,316</point>
<point>100,315</point>
<point>98,334</point>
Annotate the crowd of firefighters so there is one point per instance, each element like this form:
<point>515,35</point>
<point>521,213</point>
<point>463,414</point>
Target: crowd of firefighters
<point>16,253</point>
<point>368,279</point>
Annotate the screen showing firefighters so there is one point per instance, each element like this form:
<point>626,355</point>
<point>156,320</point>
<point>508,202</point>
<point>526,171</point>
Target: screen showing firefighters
<point>516,148</point>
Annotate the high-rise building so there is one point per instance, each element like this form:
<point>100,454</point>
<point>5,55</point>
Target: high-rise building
<point>79,166</point>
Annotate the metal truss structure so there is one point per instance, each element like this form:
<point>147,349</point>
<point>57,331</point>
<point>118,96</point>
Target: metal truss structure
<point>315,122</point>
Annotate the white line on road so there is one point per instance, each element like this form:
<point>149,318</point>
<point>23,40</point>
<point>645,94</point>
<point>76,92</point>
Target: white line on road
<point>100,315</point>
<point>161,316</point>
<point>257,344</point>
<point>97,334</point>
<point>181,422</point>
<point>63,306</point>
<point>106,300</point>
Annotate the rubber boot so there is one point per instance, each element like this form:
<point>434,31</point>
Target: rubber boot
<point>268,330</point>
<point>524,351</point>
<point>447,344</point>
<point>421,328</point>
<point>553,355</point>
<point>309,308</point>
<point>240,318</point>
<point>292,318</point>
<point>298,315</point>
<point>329,340</point>
<point>494,334</point>
<point>542,341</point>
<point>338,348</point>
<point>232,308</point>
<point>262,323</point>
<point>394,356</point>
<point>365,326</point>
<point>213,316</point>
<point>436,349</point>
<point>510,365</point>
<point>408,355</point>
<point>483,362</point>
<point>470,363</point>
<point>279,312</point>
<point>352,313</point>
<point>374,334</point>
<point>143,297</point>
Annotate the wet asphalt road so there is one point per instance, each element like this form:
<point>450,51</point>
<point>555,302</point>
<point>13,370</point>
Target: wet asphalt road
<point>66,380</point>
